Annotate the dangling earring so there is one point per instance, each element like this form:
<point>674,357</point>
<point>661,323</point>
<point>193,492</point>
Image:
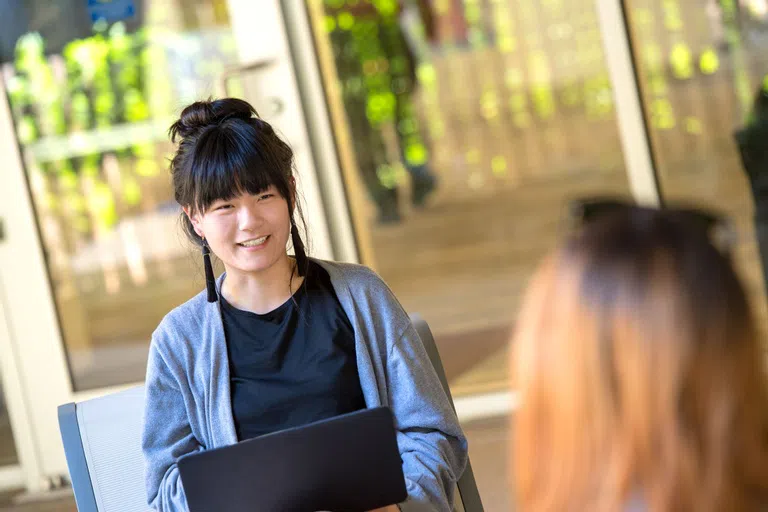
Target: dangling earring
<point>299,251</point>
<point>210,281</point>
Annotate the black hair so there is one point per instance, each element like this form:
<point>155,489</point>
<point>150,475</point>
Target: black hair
<point>225,149</point>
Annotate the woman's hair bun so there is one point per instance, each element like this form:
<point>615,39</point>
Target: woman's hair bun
<point>202,114</point>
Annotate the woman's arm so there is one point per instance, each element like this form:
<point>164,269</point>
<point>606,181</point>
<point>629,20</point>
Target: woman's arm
<point>432,445</point>
<point>167,436</point>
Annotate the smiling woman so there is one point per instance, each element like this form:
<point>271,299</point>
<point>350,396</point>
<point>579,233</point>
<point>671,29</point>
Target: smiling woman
<point>278,341</point>
<point>227,206</point>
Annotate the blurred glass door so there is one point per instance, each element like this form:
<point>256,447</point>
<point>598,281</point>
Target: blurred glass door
<point>95,256</point>
<point>91,106</point>
<point>472,123</point>
<point>703,69</point>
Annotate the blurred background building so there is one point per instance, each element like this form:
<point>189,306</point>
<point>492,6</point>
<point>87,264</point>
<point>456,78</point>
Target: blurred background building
<point>437,141</point>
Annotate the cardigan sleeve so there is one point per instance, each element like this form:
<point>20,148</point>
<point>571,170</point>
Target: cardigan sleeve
<point>167,435</point>
<point>432,446</point>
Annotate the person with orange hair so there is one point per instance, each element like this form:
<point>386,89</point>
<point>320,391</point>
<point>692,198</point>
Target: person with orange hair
<point>641,378</point>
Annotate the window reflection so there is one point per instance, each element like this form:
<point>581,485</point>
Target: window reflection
<point>473,122</point>
<point>703,75</point>
<point>92,106</point>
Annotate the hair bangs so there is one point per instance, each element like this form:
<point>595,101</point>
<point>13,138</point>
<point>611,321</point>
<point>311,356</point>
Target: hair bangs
<point>228,162</point>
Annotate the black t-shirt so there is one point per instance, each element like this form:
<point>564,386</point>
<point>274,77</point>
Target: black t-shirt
<point>293,365</point>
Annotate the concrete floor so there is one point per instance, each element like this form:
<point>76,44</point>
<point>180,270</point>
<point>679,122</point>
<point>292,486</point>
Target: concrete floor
<point>61,502</point>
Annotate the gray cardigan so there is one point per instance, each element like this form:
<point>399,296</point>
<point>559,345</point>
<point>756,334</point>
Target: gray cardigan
<point>189,408</point>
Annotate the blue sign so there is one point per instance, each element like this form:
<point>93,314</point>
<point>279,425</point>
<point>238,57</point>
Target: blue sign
<point>111,10</point>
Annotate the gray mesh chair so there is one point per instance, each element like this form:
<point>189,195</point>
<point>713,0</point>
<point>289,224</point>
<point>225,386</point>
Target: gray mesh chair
<point>102,443</point>
<point>467,487</point>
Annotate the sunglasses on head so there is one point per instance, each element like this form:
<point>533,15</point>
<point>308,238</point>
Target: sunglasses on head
<point>718,227</point>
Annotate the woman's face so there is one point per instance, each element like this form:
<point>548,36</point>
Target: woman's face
<point>248,233</point>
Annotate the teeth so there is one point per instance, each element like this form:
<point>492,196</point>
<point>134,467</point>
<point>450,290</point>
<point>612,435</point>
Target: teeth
<point>254,242</point>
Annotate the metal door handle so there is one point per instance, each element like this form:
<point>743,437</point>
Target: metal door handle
<point>241,69</point>
<point>274,104</point>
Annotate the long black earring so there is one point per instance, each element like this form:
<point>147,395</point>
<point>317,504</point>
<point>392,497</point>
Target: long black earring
<point>298,250</point>
<point>210,281</point>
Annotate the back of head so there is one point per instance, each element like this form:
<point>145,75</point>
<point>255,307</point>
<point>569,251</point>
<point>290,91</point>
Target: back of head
<point>640,374</point>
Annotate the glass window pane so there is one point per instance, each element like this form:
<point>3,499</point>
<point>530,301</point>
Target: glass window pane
<point>92,103</point>
<point>473,123</point>
<point>703,75</point>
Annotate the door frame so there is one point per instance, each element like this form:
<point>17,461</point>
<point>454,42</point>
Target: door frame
<point>15,215</point>
<point>625,84</point>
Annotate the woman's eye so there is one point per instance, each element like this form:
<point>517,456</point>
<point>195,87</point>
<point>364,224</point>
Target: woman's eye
<point>266,196</point>
<point>223,207</point>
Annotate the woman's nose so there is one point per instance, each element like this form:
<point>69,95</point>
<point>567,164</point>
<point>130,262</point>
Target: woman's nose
<point>248,218</point>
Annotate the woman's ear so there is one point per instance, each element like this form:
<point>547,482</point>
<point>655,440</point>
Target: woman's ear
<point>194,218</point>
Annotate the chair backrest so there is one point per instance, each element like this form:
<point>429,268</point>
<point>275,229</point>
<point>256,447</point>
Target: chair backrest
<point>467,486</point>
<point>102,443</point>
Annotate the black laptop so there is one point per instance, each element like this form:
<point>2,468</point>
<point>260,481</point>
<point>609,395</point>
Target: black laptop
<point>349,463</point>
